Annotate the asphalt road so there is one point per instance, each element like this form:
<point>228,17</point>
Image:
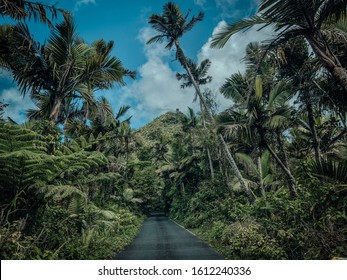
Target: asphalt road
<point>162,239</point>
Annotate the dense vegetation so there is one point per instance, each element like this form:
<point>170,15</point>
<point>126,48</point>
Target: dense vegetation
<point>264,179</point>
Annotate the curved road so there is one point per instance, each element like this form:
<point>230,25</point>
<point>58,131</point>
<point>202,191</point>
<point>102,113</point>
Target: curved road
<point>162,239</point>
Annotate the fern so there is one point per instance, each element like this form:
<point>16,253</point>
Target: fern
<point>329,169</point>
<point>23,157</point>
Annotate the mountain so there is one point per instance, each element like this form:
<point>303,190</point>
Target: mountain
<point>162,129</point>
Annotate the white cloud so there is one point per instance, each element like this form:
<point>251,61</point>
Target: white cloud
<point>156,90</point>
<point>81,3</point>
<point>228,60</point>
<point>18,105</point>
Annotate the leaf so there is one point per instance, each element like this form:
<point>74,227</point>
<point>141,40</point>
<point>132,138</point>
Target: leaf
<point>259,87</point>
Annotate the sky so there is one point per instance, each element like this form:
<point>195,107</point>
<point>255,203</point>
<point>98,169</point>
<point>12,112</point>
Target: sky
<point>155,90</point>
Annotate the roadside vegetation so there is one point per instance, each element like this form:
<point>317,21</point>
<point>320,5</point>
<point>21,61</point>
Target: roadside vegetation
<point>264,179</point>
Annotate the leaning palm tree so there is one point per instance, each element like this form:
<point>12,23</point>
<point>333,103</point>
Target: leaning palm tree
<point>259,116</point>
<point>171,25</point>
<point>199,73</point>
<point>293,18</point>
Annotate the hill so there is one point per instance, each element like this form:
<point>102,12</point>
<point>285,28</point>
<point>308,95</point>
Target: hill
<point>164,128</point>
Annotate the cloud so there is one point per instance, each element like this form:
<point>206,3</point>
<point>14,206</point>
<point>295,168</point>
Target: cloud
<point>156,90</point>
<point>18,105</point>
<point>81,3</point>
<point>5,75</point>
<point>228,60</point>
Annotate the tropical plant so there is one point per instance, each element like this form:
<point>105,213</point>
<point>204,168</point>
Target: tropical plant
<point>64,70</point>
<point>199,73</point>
<point>200,76</point>
<point>259,171</point>
<point>259,114</point>
<point>171,26</point>
<point>22,10</point>
<point>294,18</point>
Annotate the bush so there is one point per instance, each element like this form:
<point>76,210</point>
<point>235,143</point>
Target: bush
<point>248,241</point>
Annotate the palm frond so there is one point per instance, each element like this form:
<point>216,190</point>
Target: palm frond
<point>331,11</point>
<point>279,94</point>
<point>221,38</point>
<point>193,21</point>
<point>248,162</point>
<point>329,169</point>
<point>21,10</point>
<point>235,88</point>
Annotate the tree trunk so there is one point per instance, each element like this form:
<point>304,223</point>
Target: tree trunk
<point>290,178</point>
<point>285,169</point>
<point>55,110</point>
<point>227,153</point>
<point>86,114</point>
<point>235,169</point>
<point>210,163</point>
<point>207,148</point>
<point>328,59</point>
<point>261,181</point>
<point>311,122</point>
<point>183,191</point>
<point>281,148</point>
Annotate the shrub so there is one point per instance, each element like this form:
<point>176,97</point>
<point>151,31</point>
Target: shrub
<point>248,241</point>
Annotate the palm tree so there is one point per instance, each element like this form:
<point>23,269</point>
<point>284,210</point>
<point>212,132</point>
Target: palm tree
<point>259,115</point>
<point>171,25</point>
<point>199,73</point>
<point>260,171</point>
<point>64,70</point>
<point>295,18</point>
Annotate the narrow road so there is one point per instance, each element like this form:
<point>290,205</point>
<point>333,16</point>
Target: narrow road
<point>162,239</point>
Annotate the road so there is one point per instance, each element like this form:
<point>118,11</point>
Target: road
<point>162,239</point>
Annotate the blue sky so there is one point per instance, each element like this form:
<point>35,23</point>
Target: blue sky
<point>155,90</point>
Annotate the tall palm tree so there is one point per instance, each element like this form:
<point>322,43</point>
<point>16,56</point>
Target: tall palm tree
<point>293,18</point>
<point>259,115</point>
<point>65,69</point>
<point>171,26</point>
<point>199,73</point>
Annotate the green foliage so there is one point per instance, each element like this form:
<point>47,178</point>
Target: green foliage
<point>60,205</point>
<point>249,242</point>
<point>166,126</point>
<point>80,191</point>
<point>335,170</point>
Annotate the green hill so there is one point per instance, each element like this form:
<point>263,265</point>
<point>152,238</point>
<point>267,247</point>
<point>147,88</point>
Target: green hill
<point>164,128</point>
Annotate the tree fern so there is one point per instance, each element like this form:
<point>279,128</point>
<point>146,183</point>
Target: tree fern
<point>23,158</point>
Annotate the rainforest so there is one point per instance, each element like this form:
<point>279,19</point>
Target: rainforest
<point>265,178</point>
